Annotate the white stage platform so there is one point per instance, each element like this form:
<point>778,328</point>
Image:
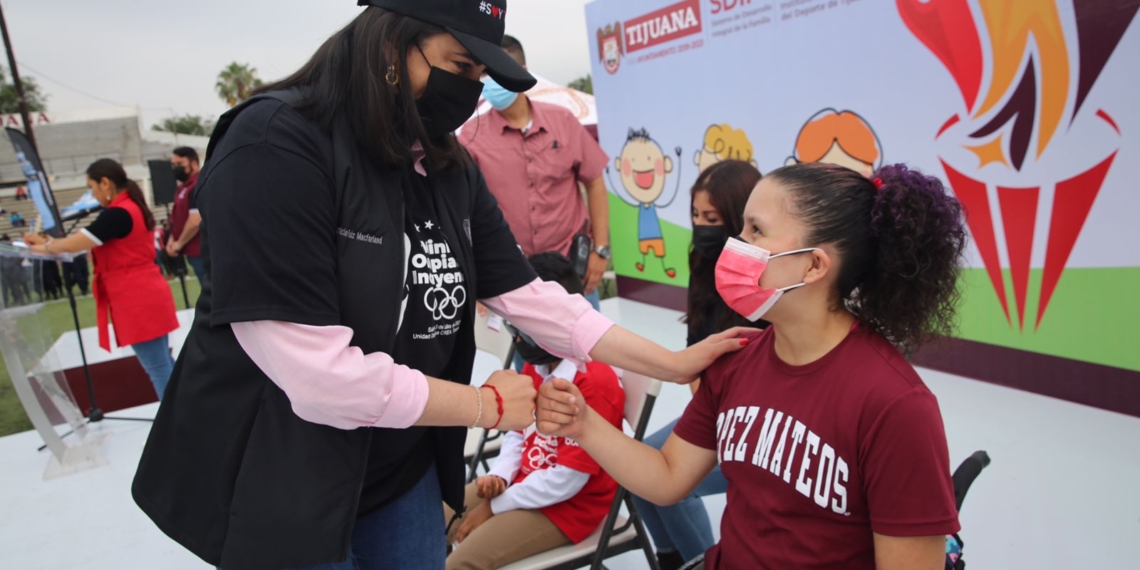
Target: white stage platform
<point>1061,493</point>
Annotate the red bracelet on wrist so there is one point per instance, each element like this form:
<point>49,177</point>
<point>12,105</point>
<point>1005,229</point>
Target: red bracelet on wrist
<point>499,403</point>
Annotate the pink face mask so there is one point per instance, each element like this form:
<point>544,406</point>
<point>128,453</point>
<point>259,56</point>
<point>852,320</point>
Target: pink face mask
<point>738,278</point>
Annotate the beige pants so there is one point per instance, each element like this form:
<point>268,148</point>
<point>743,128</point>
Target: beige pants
<point>503,539</point>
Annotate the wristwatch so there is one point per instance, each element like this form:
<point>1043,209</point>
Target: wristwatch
<point>603,252</point>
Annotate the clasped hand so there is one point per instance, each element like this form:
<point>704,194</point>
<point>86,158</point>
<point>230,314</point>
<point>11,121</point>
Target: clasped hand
<point>518,401</point>
<point>561,410</point>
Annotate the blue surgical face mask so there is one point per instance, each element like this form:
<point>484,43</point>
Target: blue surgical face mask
<point>497,95</point>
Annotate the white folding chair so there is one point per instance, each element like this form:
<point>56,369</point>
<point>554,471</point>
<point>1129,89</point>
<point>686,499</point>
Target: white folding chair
<point>497,343</point>
<point>617,534</point>
<point>482,444</point>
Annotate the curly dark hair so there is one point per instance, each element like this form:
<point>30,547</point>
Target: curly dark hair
<point>899,236</point>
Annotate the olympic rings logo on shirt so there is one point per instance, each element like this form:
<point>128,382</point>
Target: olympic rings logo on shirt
<point>443,304</point>
<point>543,453</point>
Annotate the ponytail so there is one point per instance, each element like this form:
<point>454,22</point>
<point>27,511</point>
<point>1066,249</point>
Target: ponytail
<point>912,294</point>
<point>900,237</point>
<point>113,171</point>
<point>136,195</point>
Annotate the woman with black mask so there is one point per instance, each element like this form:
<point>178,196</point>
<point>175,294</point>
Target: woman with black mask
<point>317,414</point>
<point>682,531</point>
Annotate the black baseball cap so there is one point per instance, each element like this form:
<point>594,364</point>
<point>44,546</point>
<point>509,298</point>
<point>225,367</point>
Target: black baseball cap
<point>478,24</point>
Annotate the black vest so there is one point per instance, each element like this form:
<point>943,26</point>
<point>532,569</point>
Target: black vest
<point>229,471</point>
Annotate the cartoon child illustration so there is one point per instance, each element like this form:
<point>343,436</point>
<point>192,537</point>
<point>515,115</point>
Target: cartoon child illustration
<point>643,168</point>
<point>839,137</point>
<point>722,142</point>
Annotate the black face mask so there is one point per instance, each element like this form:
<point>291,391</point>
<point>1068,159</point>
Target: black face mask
<point>448,101</point>
<point>708,241</point>
<point>529,351</point>
<point>181,174</point>
<point>532,354</point>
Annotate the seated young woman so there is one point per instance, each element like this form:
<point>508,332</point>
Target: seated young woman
<point>832,446</point>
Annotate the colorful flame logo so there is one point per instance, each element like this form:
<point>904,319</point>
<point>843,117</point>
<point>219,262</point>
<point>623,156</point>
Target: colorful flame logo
<point>1027,97</point>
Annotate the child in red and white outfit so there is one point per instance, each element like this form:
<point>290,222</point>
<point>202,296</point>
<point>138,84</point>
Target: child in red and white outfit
<point>542,491</point>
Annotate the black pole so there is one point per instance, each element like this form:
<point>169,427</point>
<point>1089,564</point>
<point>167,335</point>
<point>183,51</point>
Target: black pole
<point>185,296</point>
<point>94,414</point>
<point>23,102</point>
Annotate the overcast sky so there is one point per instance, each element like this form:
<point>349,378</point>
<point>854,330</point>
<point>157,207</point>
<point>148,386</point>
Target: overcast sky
<point>164,55</point>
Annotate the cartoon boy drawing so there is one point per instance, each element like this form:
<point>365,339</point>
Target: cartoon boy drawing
<point>643,168</point>
<point>722,142</point>
<point>839,137</point>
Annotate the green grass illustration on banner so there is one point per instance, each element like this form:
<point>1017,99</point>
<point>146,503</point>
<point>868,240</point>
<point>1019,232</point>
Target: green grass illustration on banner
<point>1086,300</point>
<point>1091,317</point>
<point>627,252</point>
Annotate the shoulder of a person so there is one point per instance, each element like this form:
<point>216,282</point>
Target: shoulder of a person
<point>600,383</point>
<point>563,122</point>
<point>117,212</point>
<point>274,122</point>
<point>599,376</point>
<point>882,362</point>
<point>889,412</point>
<point>883,378</point>
<point>727,366</point>
<point>552,112</point>
<point>254,120</point>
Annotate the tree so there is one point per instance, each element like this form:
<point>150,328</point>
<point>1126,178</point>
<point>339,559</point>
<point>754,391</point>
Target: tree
<point>37,99</point>
<point>237,82</point>
<point>583,84</point>
<point>186,125</point>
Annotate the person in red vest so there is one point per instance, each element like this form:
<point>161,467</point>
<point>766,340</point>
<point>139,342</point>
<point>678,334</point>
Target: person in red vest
<point>129,289</point>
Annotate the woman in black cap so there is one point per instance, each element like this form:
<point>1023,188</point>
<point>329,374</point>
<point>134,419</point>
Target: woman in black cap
<point>317,413</point>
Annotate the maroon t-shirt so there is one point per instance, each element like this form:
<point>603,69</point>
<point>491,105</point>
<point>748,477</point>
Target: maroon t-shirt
<point>183,206</point>
<point>818,457</point>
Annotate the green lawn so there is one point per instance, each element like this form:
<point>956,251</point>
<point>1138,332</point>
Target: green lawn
<point>59,319</point>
